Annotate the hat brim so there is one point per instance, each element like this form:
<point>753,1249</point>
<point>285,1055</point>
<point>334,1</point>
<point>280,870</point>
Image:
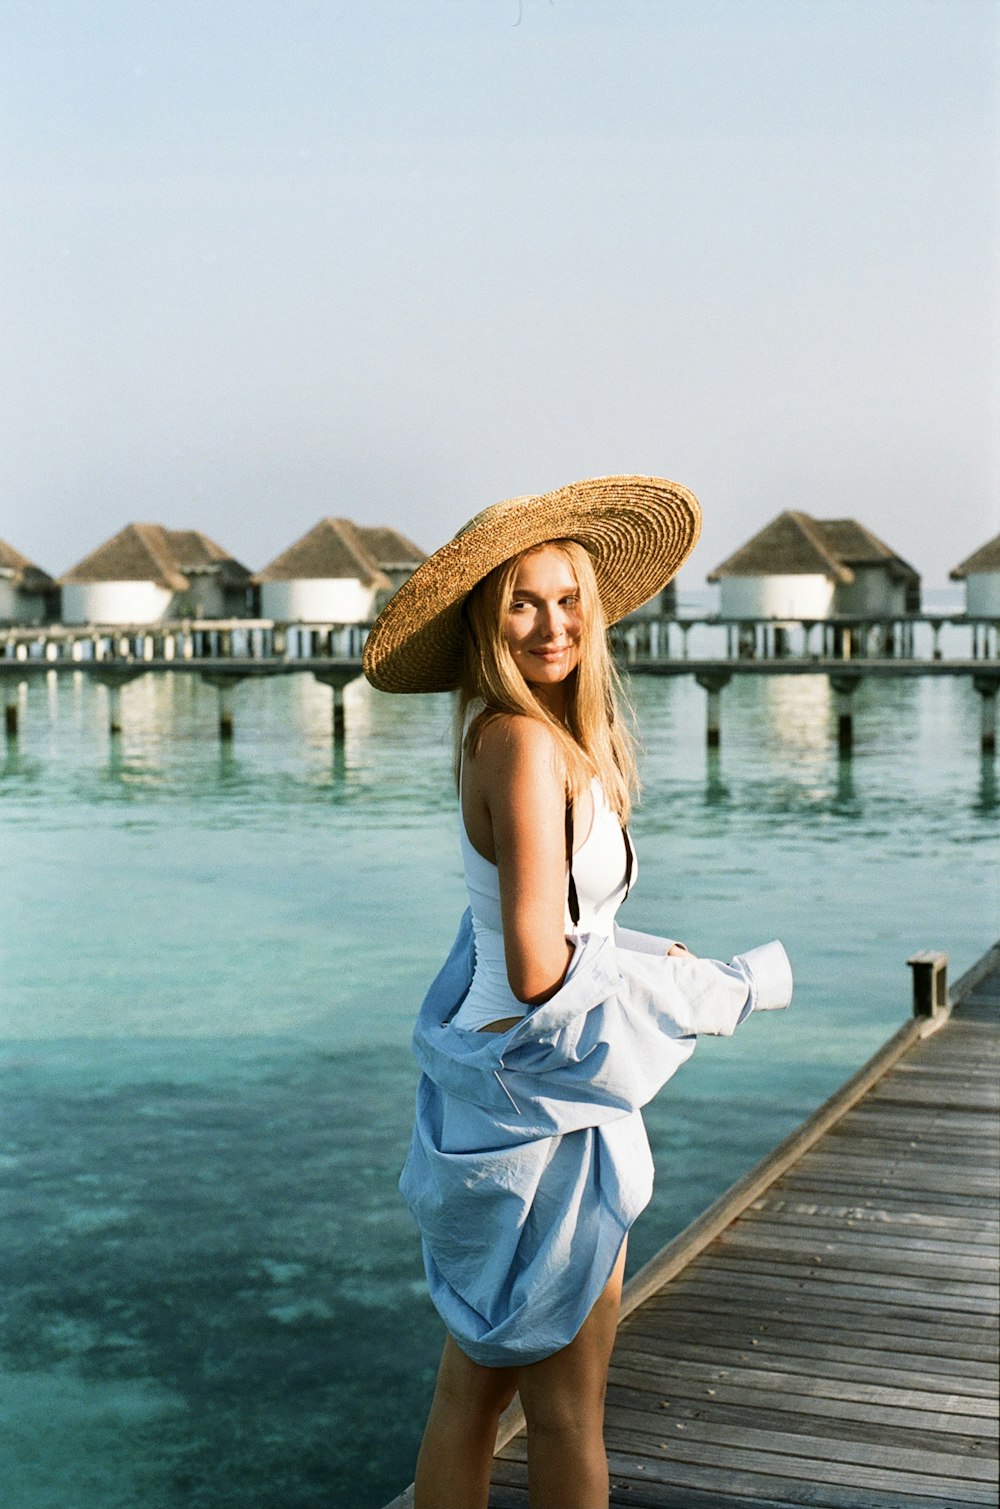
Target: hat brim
<point>637,530</point>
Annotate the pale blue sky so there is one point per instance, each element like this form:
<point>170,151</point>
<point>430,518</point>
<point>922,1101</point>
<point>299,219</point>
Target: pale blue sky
<point>264,260</point>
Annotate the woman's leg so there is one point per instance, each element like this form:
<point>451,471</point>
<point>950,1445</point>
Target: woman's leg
<point>563,1399</point>
<point>456,1454</point>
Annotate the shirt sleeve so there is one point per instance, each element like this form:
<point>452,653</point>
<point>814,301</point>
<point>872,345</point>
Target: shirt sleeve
<point>770,974</point>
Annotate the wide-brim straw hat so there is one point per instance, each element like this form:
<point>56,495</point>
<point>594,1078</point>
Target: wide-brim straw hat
<point>637,531</point>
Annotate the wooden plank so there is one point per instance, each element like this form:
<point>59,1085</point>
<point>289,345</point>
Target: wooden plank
<point>741,1325</point>
<point>795,1227</point>
<point>874,1453</point>
<point>780,1203</point>
<point>855,1152</point>
<point>966,1294</point>
<point>699,1306</point>
<point>911,1429</point>
<point>943,1131</point>
<point>859,1258</point>
<point>792,1373</point>
<point>852,1486</point>
<point>899,1407</point>
<point>876,1173</point>
<point>907,1149</point>
<point>968,1376</point>
<point>785,1208</point>
<point>510,1492</point>
<point>879,1193</point>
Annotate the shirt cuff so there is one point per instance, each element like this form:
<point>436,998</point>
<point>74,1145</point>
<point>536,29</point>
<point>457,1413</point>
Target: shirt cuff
<point>770,976</point>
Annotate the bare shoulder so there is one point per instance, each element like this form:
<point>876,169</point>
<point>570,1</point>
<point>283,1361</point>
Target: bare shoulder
<point>514,748</point>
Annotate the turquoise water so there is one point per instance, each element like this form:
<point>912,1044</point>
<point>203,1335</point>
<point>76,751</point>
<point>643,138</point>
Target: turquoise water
<point>211,960</point>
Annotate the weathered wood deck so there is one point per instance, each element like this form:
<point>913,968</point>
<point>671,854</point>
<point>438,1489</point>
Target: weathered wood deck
<point>826,1333</point>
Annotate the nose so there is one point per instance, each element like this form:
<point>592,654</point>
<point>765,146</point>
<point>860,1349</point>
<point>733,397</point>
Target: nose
<point>553,620</point>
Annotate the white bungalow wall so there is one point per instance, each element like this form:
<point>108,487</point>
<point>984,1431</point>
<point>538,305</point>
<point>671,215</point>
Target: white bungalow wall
<point>872,591</point>
<point>114,603</point>
<point>982,594</point>
<point>20,607</point>
<point>203,599</point>
<point>332,600</point>
<point>785,597</point>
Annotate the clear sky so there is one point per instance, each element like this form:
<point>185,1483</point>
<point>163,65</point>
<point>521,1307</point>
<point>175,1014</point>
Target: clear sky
<point>266,260</point>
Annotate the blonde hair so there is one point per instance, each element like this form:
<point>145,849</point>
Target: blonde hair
<point>596,739</point>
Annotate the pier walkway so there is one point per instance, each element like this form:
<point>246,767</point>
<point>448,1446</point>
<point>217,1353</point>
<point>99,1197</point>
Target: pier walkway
<point>826,1334</point>
<point>226,652</point>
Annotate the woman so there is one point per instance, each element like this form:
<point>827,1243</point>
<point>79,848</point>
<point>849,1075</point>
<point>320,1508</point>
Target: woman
<point>549,1026</point>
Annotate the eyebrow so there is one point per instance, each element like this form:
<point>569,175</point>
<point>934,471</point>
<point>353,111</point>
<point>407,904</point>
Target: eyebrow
<point>567,589</point>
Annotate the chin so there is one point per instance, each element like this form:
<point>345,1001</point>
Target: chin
<point>549,675</point>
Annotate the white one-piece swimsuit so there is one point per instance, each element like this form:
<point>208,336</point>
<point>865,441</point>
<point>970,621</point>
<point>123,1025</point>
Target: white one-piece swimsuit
<point>602,876</point>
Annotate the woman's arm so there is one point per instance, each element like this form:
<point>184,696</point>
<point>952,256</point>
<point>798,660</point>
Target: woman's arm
<point>520,775</point>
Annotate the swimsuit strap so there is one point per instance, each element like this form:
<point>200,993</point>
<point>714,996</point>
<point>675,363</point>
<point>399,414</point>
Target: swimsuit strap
<point>573,899</point>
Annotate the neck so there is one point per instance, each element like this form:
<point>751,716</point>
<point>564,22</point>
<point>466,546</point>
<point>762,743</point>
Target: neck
<point>555,699</point>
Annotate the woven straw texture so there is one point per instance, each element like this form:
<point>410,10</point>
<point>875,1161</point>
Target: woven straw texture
<point>637,530</point>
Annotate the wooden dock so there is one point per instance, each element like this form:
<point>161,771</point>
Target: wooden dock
<point>826,1334</point>
<point>227,652</point>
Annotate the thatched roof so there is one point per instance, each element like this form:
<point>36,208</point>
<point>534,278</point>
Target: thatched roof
<point>795,544</point>
<point>150,553</point>
<point>854,545</point>
<point>333,549</point>
<point>391,550</point>
<point>22,574</point>
<point>791,545</point>
<point>986,560</point>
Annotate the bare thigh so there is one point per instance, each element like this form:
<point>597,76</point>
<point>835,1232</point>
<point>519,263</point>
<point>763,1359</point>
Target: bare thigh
<point>471,1386</point>
<point>566,1390</point>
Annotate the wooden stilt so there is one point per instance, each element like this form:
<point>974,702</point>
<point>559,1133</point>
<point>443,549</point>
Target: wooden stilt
<point>336,680</point>
<point>844,687</point>
<point>987,687</point>
<point>225,712</point>
<point>224,684</point>
<point>713,684</point>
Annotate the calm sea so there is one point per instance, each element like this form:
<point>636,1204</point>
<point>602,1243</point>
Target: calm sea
<point>210,962</point>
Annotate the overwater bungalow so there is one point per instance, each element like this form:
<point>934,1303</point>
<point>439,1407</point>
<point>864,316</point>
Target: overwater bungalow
<point>980,572</point>
<point>392,552</point>
<point>28,595</point>
<point>799,567</point>
<point>147,573</point>
<point>340,572</point>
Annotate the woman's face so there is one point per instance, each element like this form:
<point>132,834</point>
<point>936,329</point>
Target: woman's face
<point>542,624</point>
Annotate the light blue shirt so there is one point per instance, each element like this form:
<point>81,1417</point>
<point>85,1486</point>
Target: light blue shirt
<point>529,1159</point>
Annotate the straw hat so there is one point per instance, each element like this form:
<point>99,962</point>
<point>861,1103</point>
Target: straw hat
<point>637,530</point>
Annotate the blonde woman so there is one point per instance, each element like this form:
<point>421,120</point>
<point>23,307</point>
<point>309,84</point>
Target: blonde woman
<point>549,1026</point>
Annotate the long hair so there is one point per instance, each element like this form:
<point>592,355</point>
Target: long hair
<point>596,739</point>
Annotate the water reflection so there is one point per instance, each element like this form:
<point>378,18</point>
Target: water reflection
<point>16,766</point>
<point>717,791</point>
<point>796,713</point>
<point>845,796</point>
<point>987,784</point>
